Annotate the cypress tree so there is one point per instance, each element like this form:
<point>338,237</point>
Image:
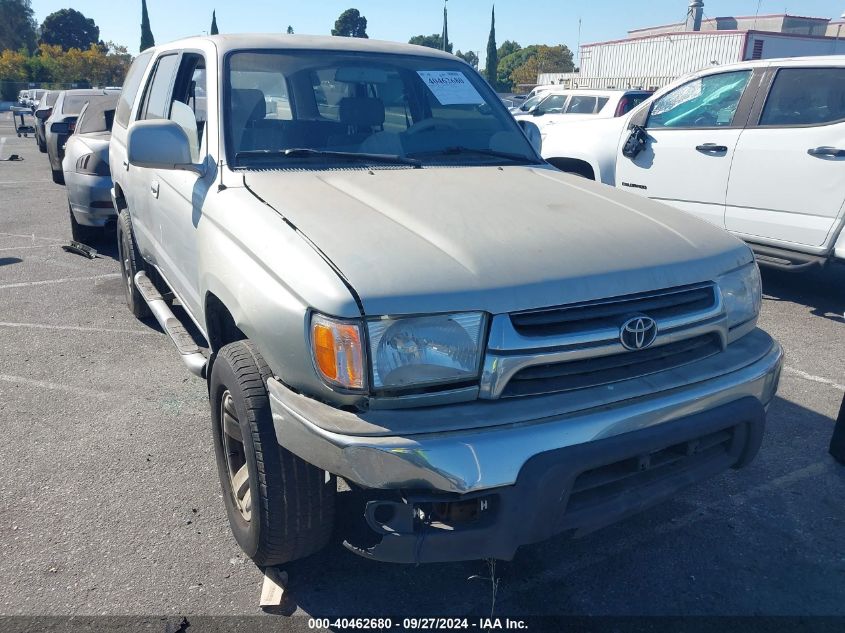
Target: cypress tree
<point>147,39</point>
<point>213,30</point>
<point>492,53</point>
<point>445,34</point>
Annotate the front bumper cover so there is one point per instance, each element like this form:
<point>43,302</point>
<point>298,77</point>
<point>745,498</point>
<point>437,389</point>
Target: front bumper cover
<point>500,460</point>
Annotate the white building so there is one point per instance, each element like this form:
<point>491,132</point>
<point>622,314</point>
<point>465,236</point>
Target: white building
<point>654,56</point>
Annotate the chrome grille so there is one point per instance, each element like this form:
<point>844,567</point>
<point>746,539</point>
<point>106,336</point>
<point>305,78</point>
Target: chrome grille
<point>578,346</point>
<point>597,314</point>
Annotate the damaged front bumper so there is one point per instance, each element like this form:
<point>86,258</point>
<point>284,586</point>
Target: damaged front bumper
<point>483,492</point>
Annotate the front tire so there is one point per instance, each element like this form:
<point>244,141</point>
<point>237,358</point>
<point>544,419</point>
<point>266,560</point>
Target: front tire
<point>58,176</point>
<point>280,508</point>
<point>130,263</point>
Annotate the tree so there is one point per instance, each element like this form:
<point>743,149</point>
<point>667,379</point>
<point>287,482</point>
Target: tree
<point>492,53</point>
<point>445,46</point>
<point>469,57</point>
<point>290,30</point>
<point>147,39</point>
<point>507,47</point>
<point>214,30</point>
<point>430,41</point>
<point>69,29</point>
<point>17,25</point>
<point>350,24</point>
<point>548,59</point>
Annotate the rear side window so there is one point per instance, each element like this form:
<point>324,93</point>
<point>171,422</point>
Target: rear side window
<point>709,101</point>
<point>130,88</point>
<point>581,104</point>
<point>805,96</point>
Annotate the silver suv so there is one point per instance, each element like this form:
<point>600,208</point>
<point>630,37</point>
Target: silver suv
<point>336,218</point>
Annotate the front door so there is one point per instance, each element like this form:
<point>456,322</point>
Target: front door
<point>787,184</point>
<point>692,134</point>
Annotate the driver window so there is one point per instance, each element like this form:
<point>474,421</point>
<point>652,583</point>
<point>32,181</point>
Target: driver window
<point>553,104</point>
<point>189,108</point>
<point>709,101</point>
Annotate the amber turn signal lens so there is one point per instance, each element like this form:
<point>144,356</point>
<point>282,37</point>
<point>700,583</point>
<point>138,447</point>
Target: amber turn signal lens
<point>337,350</point>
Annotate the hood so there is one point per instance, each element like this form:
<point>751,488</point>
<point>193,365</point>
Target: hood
<point>492,239</point>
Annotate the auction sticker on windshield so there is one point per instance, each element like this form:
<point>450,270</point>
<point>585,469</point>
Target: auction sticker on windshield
<point>450,87</point>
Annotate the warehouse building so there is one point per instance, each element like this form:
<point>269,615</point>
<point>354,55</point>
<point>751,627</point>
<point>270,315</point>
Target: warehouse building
<point>654,56</point>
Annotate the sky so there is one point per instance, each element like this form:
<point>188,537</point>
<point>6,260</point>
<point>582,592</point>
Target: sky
<point>526,21</point>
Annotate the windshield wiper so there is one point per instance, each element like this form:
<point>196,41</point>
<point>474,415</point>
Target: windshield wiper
<point>460,149</point>
<point>304,152</point>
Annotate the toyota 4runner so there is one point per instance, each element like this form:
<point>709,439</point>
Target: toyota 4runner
<point>335,217</point>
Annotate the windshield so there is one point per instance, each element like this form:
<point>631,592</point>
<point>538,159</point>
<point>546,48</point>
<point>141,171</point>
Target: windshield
<point>98,115</point>
<point>345,106</point>
<point>531,102</point>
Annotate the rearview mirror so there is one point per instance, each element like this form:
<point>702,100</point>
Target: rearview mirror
<point>160,144</point>
<point>532,132</point>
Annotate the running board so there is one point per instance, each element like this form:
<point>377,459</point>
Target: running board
<point>783,259</point>
<point>192,356</point>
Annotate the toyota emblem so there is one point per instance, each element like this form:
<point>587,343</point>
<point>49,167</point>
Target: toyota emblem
<point>638,332</point>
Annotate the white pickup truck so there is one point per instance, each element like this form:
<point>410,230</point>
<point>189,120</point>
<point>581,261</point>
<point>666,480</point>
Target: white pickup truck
<point>756,147</point>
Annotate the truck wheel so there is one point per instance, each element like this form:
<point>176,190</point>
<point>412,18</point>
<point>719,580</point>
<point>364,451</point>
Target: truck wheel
<point>280,507</point>
<point>130,264</point>
<point>58,176</point>
<point>81,233</point>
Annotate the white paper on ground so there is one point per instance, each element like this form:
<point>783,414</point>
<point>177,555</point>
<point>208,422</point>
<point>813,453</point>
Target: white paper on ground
<point>450,87</point>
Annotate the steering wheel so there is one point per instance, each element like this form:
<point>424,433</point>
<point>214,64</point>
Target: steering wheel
<point>427,125</point>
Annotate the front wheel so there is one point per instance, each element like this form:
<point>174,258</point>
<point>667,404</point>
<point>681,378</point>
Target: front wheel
<point>280,508</point>
<point>58,176</point>
<point>130,263</point>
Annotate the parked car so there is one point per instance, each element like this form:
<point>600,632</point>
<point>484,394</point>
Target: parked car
<point>42,112</point>
<point>757,148</point>
<point>568,105</point>
<point>529,103</point>
<point>34,97</point>
<point>23,97</point>
<point>86,171</point>
<point>61,123</point>
<point>374,310</point>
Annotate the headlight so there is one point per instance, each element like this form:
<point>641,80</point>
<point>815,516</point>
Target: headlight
<point>742,293</point>
<point>425,351</point>
<point>337,351</point>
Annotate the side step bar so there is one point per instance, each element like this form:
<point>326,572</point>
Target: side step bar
<point>782,259</point>
<point>193,358</point>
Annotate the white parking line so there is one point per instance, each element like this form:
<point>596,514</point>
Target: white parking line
<point>27,284</point>
<point>811,377</point>
<point>31,237</point>
<point>18,248</point>
<point>22,182</point>
<point>44,384</point>
<point>77,328</point>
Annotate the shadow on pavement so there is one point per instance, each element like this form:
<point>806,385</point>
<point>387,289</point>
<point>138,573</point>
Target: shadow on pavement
<point>6,261</point>
<point>822,290</point>
<point>762,540</point>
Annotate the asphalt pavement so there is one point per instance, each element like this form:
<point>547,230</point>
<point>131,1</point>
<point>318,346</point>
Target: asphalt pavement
<point>110,502</point>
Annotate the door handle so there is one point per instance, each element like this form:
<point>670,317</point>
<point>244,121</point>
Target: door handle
<point>712,148</point>
<point>154,188</point>
<point>834,152</point>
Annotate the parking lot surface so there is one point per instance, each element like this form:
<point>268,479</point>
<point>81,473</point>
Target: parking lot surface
<point>110,502</point>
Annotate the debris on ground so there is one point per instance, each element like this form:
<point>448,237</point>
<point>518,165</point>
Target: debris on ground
<point>80,249</point>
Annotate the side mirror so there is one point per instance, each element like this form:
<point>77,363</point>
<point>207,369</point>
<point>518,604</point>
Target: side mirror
<point>532,132</point>
<point>535,111</point>
<point>160,144</point>
<point>43,114</point>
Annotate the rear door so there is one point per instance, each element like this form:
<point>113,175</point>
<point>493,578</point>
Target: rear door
<point>787,184</point>
<point>692,134</point>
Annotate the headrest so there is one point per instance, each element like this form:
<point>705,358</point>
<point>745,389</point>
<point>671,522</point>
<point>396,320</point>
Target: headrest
<point>248,104</point>
<point>364,111</point>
